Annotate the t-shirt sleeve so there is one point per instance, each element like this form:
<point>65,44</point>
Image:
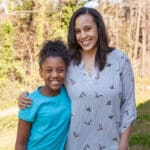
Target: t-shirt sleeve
<point>128,106</point>
<point>28,114</point>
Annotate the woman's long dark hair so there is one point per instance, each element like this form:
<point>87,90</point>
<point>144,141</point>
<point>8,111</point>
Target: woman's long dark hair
<point>102,43</point>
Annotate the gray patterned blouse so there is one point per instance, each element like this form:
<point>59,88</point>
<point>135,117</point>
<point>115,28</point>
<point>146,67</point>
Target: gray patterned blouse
<point>103,104</point>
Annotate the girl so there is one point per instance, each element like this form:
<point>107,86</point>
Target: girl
<point>44,125</point>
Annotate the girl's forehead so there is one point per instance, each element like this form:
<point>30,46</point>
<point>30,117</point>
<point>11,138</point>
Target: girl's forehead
<point>54,62</point>
<point>54,58</point>
<point>51,59</point>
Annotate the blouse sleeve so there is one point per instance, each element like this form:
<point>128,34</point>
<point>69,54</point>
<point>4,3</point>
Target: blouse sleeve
<point>128,106</point>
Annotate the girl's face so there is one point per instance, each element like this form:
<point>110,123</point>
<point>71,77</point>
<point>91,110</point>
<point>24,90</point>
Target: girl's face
<point>86,32</point>
<point>53,72</point>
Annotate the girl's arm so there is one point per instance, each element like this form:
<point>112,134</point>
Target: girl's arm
<point>124,141</point>
<point>22,134</point>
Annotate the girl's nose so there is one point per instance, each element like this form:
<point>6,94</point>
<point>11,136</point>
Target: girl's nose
<point>54,74</point>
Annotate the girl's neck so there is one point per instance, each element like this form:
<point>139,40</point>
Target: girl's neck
<point>47,92</point>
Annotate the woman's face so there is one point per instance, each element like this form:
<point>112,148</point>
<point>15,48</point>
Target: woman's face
<point>86,32</point>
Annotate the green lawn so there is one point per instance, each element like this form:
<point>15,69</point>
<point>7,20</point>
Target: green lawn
<point>140,139</point>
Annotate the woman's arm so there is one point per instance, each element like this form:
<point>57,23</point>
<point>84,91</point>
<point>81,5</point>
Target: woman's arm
<point>22,135</point>
<point>124,141</point>
<point>128,106</point>
<point>24,101</point>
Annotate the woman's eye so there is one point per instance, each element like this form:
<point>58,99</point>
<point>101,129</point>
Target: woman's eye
<point>87,29</point>
<point>77,31</point>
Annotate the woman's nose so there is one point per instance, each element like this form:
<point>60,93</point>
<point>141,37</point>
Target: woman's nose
<point>83,34</point>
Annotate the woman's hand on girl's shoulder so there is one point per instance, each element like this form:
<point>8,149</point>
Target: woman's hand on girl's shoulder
<point>24,101</point>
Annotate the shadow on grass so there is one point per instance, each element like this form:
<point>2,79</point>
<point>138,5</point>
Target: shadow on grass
<point>140,138</point>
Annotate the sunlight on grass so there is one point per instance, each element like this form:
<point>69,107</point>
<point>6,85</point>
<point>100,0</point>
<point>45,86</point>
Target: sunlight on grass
<point>140,140</point>
<point>141,130</point>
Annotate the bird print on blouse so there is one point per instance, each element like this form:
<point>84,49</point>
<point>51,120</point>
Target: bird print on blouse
<point>112,87</point>
<point>88,122</point>
<point>101,147</point>
<point>75,134</point>
<point>88,109</point>
<point>86,147</point>
<point>114,139</point>
<point>82,94</point>
<point>126,112</point>
<point>111,117</point>
<point>121,74</point>
<point>100,128</point>
<point>72,81</point>
<point>108,103</point>
<point>98,95</point>
<point>108,65</point>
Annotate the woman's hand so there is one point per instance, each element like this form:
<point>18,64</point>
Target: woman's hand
<point>124,147</point>
<point>24,101</point>
<point>124,141</point>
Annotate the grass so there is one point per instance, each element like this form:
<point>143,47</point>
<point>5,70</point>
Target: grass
<point>141,131</point>
<point>140,138</point>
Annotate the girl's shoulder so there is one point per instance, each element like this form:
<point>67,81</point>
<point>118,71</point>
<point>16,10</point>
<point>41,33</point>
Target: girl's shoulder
<point>33,93</point>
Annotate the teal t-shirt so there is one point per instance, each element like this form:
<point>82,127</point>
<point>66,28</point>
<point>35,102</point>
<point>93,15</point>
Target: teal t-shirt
<point>50,118</point>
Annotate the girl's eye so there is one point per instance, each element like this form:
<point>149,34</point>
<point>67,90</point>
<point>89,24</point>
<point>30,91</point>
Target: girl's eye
<point>48,71</point>
<point>61,70</point>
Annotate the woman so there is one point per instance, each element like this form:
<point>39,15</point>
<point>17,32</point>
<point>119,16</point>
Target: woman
<point>100,84</point>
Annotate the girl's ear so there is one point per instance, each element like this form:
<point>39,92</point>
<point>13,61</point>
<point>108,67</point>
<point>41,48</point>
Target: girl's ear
<point>40,72</point>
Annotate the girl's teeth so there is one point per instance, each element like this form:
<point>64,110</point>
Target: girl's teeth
<point>54,82</point>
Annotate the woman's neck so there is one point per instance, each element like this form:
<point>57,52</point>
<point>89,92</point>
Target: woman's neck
<point>88,54</point>
<point>89,61</point>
